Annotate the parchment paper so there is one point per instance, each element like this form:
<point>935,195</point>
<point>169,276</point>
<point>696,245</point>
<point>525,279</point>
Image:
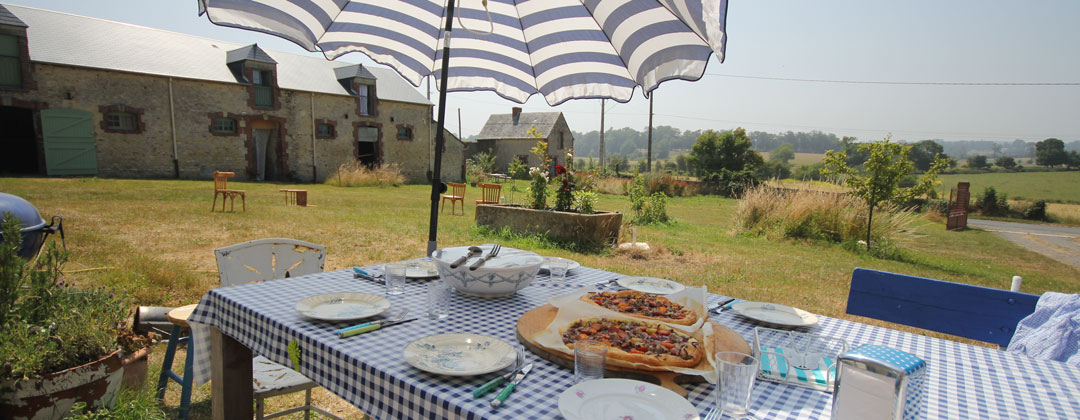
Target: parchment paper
<point>572,309</point>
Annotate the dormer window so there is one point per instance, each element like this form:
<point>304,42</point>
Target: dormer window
<point>252,66</point>
<point>10,62</point>
<point>363,100</point>
<point>360,82</point>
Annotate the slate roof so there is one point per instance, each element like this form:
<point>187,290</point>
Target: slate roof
<point>355,70</point>
<point>251,53</point>
<point>501,126</point>
<point>66,39</point>
<point>6,18</point>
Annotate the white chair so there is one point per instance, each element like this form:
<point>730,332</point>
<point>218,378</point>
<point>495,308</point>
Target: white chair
<point>270,259</point>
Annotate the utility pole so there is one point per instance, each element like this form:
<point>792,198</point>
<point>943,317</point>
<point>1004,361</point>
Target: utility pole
<point>459,124</point>
<point>602,100</point>
<point>648,162</point>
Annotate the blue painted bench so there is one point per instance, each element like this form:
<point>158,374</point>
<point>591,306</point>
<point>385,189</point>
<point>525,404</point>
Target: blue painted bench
<point>975,312</point>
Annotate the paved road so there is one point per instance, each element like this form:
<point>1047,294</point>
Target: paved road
<point>1057,242</point>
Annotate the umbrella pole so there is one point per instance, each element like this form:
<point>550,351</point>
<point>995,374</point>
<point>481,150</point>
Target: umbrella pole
<point>436,181</point>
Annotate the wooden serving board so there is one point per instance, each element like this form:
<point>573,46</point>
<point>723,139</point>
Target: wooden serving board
<point>537,319</point>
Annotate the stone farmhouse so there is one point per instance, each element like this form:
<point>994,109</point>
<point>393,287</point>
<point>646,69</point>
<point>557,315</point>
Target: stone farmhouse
<point>86,96</point>
<point>507,137</point>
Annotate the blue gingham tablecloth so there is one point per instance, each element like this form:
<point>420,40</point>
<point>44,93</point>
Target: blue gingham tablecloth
<point>368,370</point>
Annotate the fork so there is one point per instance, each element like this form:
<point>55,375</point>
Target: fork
<point>494,253</point>
<point>714,414</point>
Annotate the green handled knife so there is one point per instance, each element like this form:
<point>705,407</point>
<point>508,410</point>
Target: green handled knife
<point>490,385</point>
<point>495,403</point>
<point>374,326</point>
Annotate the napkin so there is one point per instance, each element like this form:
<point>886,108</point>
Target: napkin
<point>1051,332</point>
<point>775,365</point>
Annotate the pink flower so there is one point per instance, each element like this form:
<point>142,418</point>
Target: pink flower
<point>641,388</point>
<point>580,394</point>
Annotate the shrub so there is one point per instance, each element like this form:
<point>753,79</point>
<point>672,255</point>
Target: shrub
<point>990,204</point>
<point>669,185</point>
<point>357,174</point>
<point>806,214</point>
<point>937,206</point>
<point>729,183</point>
<point>647,208</point>
<point>564,189</point>
<point>1036,211</point>
<point>585,201</point>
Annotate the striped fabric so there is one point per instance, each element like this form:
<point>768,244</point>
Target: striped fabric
<point>563,49</point>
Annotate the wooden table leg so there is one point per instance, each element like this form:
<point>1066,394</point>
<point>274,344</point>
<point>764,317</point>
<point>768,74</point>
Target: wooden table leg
<point>231,388</point>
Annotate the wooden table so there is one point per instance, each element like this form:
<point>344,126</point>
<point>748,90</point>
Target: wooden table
<point>295,197</point>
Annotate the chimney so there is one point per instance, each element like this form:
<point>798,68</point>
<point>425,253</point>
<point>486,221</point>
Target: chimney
<point>516,114</point>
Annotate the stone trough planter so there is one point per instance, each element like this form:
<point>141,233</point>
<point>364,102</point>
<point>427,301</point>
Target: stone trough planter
<point>597,229</point>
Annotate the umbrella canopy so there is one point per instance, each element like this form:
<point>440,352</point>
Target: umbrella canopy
<point>561,49</point>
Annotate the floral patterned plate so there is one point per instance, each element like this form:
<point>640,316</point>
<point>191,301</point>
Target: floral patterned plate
<point>651,285</point>
<point>624,399</point>
<point>459,354</point>
<point>775,314</point>
<point>342,306</point>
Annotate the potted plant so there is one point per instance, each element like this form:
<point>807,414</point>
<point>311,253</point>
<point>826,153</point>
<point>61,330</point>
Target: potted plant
<point>60,345</point>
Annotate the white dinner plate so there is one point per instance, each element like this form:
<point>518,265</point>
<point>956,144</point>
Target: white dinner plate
<point>546,266</point>
<point>624,399</point>
<point>459,354</point>
<point>342,306</point>
<point>421,270</point>
<point>651,285</point>
<point>775,313</point>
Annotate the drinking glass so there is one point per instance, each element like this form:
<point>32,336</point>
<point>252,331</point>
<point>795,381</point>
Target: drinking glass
<point>394,273</point>
<point>438,299</point>
<point>590,356</point>
<point>735,379</point>
<point>558,268</point>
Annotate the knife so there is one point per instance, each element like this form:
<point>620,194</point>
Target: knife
<point>358,273</point>
<point>518,376</point>
<point>349,332</point>
<point>490,385</point>
<point>724,305</point>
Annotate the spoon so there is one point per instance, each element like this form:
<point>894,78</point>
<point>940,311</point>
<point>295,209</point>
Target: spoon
<point>473,250</point>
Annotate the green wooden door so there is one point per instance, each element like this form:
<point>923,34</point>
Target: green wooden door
<point>69,142</point>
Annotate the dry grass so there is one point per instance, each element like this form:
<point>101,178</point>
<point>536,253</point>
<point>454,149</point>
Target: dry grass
<point>1064,213</point>
<point>358,175</point>
<point>819,215</point>
<point>612,185</point>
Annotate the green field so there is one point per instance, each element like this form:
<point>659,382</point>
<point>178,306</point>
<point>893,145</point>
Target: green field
<point>1060,187</point>
<point>801,158</point>
<point>153,241</point>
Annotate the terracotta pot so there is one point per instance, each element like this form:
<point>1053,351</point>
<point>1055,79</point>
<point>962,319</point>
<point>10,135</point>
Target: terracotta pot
<point>52,396</point>
<point>135,368</point>
<point>597,229</point>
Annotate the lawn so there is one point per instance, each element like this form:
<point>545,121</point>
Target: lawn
<point>153,240</point>
<point>1059,187</point>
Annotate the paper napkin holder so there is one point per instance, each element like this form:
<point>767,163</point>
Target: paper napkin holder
<point>878,382</point>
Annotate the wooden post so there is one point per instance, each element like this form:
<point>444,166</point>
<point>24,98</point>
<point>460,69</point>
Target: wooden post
<point>602,101</point>
<point>230,378</point>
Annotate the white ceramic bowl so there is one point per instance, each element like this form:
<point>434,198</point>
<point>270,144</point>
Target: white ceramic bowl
<point>504,275</point>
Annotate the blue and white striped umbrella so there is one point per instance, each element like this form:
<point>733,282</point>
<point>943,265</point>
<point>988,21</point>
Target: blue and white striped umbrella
<point>561,49</point>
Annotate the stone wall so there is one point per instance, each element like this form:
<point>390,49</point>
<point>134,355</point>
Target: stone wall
<point>200,152</point>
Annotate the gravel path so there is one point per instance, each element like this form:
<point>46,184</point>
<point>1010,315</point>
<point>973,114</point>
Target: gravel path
<point>1057,242</point>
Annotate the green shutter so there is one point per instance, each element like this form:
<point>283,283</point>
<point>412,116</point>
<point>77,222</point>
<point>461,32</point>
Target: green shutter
<point>10,65</point>
<point>9,46</point>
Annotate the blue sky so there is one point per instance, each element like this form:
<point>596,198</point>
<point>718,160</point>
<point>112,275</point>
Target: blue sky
<point>911,41</point>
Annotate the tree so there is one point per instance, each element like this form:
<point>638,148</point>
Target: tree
<point>680,162</point>
<point>783,154</point>
<point>850,146</point>
<point>1050,152</point>
<point>1074,160</point>
<point>728,150</point>
<point>1006,162</point>
<point>924,152</point>
<point>978,162</point>
<point>877,182</point>
<point>617,162</point>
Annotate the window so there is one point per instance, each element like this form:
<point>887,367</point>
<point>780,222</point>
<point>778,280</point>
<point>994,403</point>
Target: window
<point>224,125</point>
<point>364,93</point>
<point>121,121</point>
<point>562,144</point>
<point>324,130</point>
<point>10,62</point>
<point>404,132</point>
<point>264,92</point>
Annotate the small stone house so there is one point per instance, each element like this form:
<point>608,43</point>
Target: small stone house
<point>507,136</point>
<point>86,96</point>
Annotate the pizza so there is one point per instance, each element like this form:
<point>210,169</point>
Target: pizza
<point>645,342</point>
<point>643,305</point>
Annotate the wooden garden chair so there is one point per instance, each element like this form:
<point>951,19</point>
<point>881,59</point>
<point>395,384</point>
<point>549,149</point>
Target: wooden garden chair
<point>489,193</point>
<point>457,193</point>
<point>221,187</point>
<point>975,312</point>
<point>254,261</point>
